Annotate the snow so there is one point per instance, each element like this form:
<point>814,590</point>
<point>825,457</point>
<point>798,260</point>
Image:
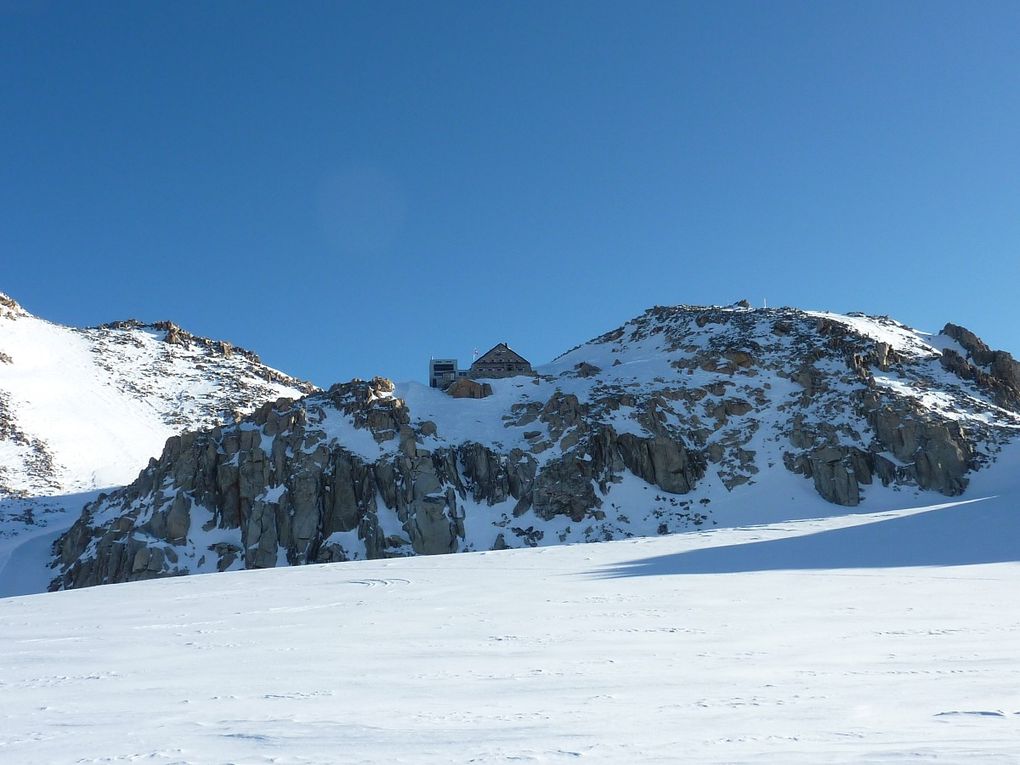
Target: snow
<point>28,527</point>
<point>861,638</point>
<point>896,335</point>
<point>85,410</point>
<point>782,630</point>
<point>120,392</point>
<point>56,389</point>
<point>273,493</point>
<point>339,428</point>
<point>478,420</point>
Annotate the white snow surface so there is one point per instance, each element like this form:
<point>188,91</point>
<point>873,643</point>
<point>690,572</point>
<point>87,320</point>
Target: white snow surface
<point>794,631</point>
<point>877,638</point>
<point>62,389</point>
<point>84,409</point>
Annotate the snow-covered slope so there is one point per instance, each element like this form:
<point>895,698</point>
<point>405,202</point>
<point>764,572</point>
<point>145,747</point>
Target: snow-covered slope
<point>685,417</point>
<point>866,638</point>
<point>85,409</point>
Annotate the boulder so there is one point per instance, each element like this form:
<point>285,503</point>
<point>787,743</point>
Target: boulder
<point>432,530</point>
<point>465,387</point>
<point>974,345</point>
<point>661,461</point>
<point>178,520</point>
<point>938,453</point>
<point>564,487</point>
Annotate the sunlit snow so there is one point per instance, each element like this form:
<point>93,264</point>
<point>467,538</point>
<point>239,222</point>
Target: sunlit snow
<point>864,638</point>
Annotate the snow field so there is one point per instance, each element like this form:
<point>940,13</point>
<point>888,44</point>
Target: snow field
<point>698,647</point>
<point>793,632</point>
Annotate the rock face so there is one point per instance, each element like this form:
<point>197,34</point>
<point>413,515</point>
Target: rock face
<point>82,410</point>
<point>643,430</point>
<point>468,388</point>
<point>994,371</point>
<point>296,496</point>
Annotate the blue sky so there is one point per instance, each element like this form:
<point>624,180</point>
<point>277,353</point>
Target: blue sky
<point>347,188</point>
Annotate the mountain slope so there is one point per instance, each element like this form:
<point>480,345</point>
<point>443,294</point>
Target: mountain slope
<point>85,409</point>
<point>686,416</point>
<point>879,638</point>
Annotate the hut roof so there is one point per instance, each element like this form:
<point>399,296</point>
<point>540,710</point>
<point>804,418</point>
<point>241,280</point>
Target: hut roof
<point>501,354</point>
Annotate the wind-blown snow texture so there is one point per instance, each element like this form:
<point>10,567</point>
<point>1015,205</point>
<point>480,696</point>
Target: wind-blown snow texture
<point>685,417</point>
<point>85,409</point>
<point>877,638</point>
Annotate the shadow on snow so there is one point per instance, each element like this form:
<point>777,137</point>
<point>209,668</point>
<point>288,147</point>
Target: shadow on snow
<point>973,532</point>
<point>28,528</point>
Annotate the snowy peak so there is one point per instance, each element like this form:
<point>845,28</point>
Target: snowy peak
<point>85,408</point>
<point>689,326</point>
<point>9,308</point>
<point>877,349</point>
<point>685,416</point>
<point>217,381</point>
<point>171,333</point>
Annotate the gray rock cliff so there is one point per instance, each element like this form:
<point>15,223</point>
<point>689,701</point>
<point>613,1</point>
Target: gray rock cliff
<point>639,431</point>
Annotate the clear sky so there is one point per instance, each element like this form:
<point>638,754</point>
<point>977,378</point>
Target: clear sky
<point>347,188</point>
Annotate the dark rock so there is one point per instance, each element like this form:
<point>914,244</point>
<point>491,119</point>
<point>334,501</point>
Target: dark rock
<point>291,493</point>
<point>584,369</point>
<point>467,388</point>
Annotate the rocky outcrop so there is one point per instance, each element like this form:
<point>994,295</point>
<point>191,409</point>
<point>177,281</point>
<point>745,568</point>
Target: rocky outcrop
<point>662,462</point>
<point>9,308</point>
<point>996,372</point>
<point>583,451</point>
<point>292,495</point>
<point>175,335</point>
<point>936,453</point>
<point>837,471</point>
<point>468,388</point>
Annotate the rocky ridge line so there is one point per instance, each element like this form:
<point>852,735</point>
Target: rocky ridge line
<point>81,409</point>
<point>735,392</point>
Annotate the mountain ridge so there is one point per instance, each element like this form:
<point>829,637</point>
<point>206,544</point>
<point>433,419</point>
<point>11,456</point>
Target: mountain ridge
<point>83,409</point>
<point>683,416</point>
